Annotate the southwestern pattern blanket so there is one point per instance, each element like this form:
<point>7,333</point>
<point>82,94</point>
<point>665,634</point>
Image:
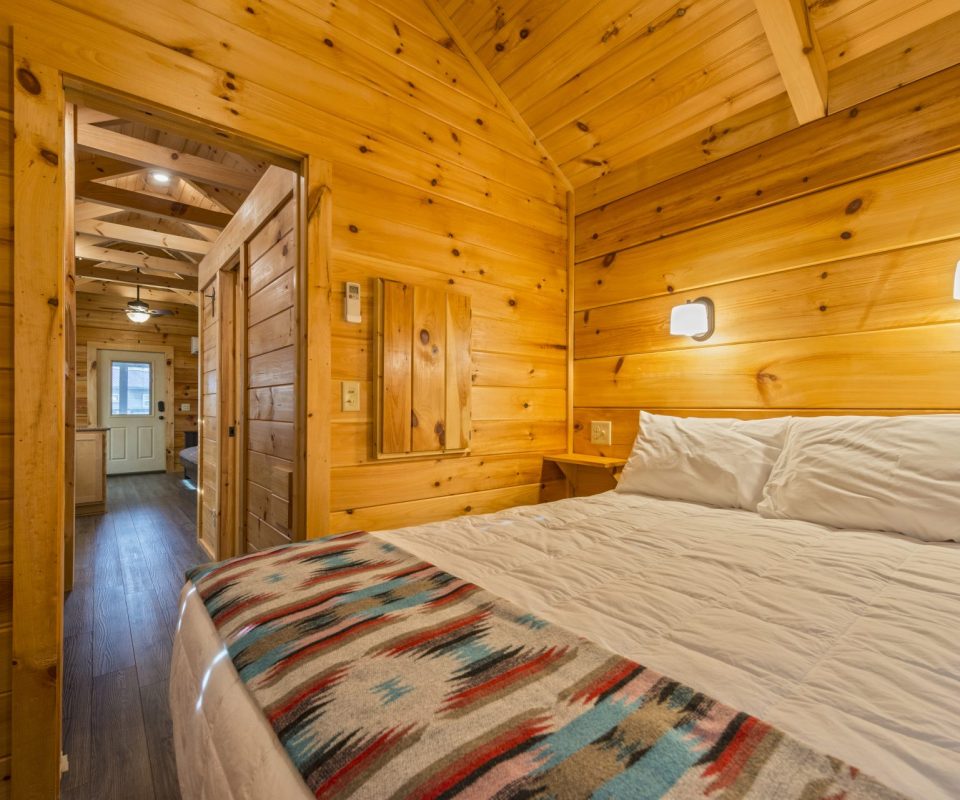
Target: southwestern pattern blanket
<point>386,677</point>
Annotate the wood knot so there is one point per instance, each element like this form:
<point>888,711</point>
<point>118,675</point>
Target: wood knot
<point>766,377</point>
<point>583,126</point>
<point>178,209</point>
<point>53,301</point>
<point>414,422</point>
<point>511,302</point>
<point>499,47</point>
<point>455,251</point>
<point>328,42</point>
<point>50,157</point>
<point>618,366</point>
<point>854,205</point>
<point>846,235</point>
<point>441,433</point>
<point>353,229</point>
<point>823,307</point>
<point>854,112</point>
<point>424,336</point>
<point>524,33</point>
<point>609,258</point>
<point>29,81</point>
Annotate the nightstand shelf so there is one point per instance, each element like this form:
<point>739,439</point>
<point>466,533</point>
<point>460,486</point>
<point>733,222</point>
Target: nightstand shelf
<point>586,474</point>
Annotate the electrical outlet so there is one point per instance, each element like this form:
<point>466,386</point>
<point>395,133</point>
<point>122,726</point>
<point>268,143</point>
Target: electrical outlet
<point>349,395</point>
<point>601,432</point>
<point>184,406</point>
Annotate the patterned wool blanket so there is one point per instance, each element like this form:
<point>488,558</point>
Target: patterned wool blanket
<point>385,677</point>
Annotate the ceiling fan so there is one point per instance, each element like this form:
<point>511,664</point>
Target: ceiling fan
<point>138,311</point>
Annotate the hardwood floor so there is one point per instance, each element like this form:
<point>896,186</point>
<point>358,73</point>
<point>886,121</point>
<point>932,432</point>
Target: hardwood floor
<point>118,630</point>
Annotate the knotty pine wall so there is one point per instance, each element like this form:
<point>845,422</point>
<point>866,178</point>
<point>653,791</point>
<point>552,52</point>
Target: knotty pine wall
<point>6,399</point>
<point>829,252</point>
<point>433,182</point>
<point>94,324</point>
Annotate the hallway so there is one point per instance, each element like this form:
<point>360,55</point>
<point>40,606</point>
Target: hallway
<point>118,629</point>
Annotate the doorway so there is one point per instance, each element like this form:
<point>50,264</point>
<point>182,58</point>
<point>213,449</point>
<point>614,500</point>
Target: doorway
<point>133,407</point>
<point>188,304</point>
<point>46,317</point>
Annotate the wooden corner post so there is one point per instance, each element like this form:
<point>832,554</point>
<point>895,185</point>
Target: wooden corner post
<point>39,398</point>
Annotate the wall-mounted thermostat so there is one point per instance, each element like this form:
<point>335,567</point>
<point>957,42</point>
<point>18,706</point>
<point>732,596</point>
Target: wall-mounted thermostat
<point>351,302</point>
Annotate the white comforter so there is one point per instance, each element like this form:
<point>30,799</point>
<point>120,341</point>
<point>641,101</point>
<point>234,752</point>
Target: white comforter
<point>848,640</point>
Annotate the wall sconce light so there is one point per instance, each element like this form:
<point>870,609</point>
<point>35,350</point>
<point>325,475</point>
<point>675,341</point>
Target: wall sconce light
<point>956,283</point>
<point>694,319</point>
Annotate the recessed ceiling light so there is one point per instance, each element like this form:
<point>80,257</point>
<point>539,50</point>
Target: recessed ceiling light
<point>160,177</point>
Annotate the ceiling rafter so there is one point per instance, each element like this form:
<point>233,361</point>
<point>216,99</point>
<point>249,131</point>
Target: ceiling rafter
<point>100,273</point>
<point>134,235</point>
<point>87,247</point>
<point>151,204</point>
<point>797,53</point>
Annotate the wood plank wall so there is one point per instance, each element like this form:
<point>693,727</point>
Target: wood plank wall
<point>96,324</point>
<point>6,396</point>
<point>270,353</point>
<point>433,183</point>
<point>829,252</point>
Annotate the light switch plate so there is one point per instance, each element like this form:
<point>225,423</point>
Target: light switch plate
<point>184,406</point>
<point>349,395</point>
<point>601,432</point>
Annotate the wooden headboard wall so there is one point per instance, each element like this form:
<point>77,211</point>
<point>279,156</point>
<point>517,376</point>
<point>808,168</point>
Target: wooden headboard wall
<point>829,253</point>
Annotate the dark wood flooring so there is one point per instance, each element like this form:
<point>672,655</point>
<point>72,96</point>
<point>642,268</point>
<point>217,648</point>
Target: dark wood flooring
<point>118,630</point>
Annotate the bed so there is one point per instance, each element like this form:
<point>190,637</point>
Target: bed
<point>190,456</point>
<point>844,639</point>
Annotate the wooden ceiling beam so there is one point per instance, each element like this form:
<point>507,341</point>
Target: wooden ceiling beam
<point>148,155</point>
<point>797,54</point>
<point>135,235</point>
<point>133,278</point>
<point>85,210</point>
<point>93,167</point>
<point>109,289</point>
<point>148,204</point>
<point>86,247</point>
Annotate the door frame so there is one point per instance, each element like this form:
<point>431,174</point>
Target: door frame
<point>93,399</point>
<point>43,281</point>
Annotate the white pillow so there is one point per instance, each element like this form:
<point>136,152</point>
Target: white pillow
<point>718,462</point>
<point>875,473</point>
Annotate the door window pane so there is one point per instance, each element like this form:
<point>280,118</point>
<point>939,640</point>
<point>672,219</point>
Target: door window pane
<point>130,388</point>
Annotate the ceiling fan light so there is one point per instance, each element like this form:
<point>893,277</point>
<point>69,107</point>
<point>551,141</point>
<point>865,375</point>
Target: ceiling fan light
<point>158,176</point>
<point>137,315</point>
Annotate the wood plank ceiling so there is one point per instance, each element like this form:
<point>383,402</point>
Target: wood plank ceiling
<point>626,93</point>
<point>149,203</point>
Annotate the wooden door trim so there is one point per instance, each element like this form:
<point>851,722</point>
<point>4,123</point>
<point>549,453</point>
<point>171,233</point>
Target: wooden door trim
<point>93,398</point>
<point>40,276</point>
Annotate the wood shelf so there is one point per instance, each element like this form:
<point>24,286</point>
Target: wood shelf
<point>587,474</point>
<point>584,460</point>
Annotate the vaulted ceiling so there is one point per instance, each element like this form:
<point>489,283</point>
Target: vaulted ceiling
<point>625,93</point>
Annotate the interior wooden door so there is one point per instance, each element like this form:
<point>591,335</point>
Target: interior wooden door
<point>250,453</point>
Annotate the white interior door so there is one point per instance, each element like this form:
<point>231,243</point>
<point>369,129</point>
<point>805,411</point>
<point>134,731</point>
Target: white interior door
<point>131,397</point>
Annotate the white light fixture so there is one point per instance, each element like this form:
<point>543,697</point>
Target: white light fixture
<point>956,283</point>
<point>137,310</point>
<point>694,319</point>
<point>137,314</point>
<point>160,177</point>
